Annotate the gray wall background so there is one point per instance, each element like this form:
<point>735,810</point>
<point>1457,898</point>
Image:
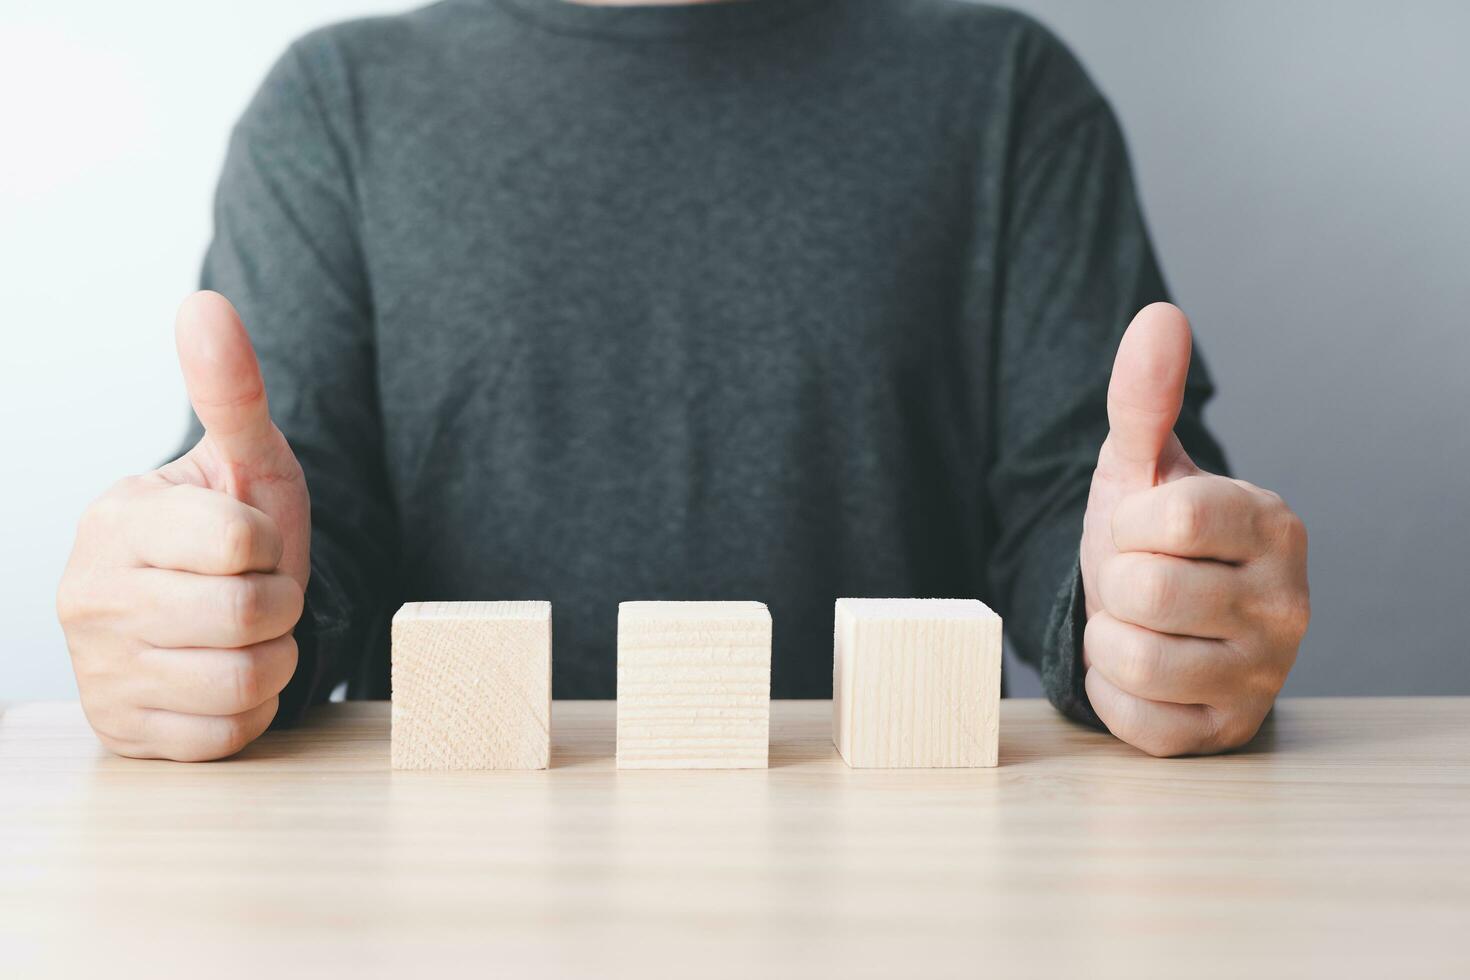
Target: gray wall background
<point>1305,167</point>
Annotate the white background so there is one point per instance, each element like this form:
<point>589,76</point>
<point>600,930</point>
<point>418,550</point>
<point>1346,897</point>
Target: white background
<point>1304,167</point>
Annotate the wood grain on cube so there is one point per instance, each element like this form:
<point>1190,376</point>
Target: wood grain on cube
<point>694,685</point>
<point>472,685</point>
<point>916,683</point>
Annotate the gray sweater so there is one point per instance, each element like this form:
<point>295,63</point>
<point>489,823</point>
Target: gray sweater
<point>774,299</point>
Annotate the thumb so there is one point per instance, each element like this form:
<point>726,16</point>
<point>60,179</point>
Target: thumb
<point>223,377</point>
<point>1147,389</point>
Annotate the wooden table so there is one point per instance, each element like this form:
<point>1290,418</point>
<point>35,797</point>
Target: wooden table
<point>1337,845</point>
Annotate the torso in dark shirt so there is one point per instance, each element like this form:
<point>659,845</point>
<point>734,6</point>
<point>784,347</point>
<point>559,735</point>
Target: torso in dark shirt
<point>729,301</point>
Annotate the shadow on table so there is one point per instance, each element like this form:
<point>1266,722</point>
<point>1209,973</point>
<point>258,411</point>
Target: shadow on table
<point>601,753</point>
<point>354,732</point>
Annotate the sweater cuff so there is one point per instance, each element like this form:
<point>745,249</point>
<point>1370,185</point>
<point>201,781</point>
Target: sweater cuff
<point>1061,666</point>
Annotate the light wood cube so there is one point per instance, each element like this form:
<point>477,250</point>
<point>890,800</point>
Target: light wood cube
<point>916,683</point>
<point>694,685</point>
<point>472,685</point>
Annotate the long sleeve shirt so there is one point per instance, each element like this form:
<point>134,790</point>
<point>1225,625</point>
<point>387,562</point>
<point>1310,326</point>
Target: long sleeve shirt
<point>781,300</point>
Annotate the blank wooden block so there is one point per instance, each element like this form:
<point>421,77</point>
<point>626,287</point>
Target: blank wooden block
<point>472,685</point>
<point>916,683</point>
<point>694,685</point>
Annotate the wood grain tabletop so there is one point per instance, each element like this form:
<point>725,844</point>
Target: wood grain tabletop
<point>1337,844</point>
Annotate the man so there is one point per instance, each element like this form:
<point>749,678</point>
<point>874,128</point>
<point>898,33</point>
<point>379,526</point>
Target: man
<point>772,299</point>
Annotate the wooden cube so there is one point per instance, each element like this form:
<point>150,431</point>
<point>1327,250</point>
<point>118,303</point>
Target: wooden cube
<point>472,685</point>
<point>694,685</point>
<point>916,683</point>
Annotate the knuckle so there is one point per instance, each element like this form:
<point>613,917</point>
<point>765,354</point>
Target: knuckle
<point>120,746</point>
<point>215,738</point>
<point>1158,737</point>
<point>1153,589</point>
<point>247,606</point>
<point>1126,721</point>
<point>1298,613</point>
<point>1154,745</point>
<point>101,514</point>
<point>297,604</point>
<point>1294,534</point>
<point>1256,490</point>
<point>1285,612</point>
<point>237,544</point>
<point>1263,680</point>
<point>1163,743</point>
<point>94,674</point>
<point>71,599</point>
<point>1241,732</point>
<point>244,684</point>
<point>1093,640</point>
<point>233,735</point>
<point>202,749</point>
<point>83,598</point>
<point>1138,664</point>
<point>237,731</point>
<point>1281,526</point>
<point>1184,522</point>
<point>1233,727</point>
<point>290,656</point>
<point>103,713</point>
<point>114,503</point>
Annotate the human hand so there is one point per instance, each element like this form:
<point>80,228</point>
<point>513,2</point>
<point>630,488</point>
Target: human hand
<point>1196,584</point>
<point>184,584</point>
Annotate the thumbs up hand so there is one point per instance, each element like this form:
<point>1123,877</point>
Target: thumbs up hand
<point>184,584</point>
<point>1195,584</point>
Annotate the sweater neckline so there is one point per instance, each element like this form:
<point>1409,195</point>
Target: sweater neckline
<point>672,22</point>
